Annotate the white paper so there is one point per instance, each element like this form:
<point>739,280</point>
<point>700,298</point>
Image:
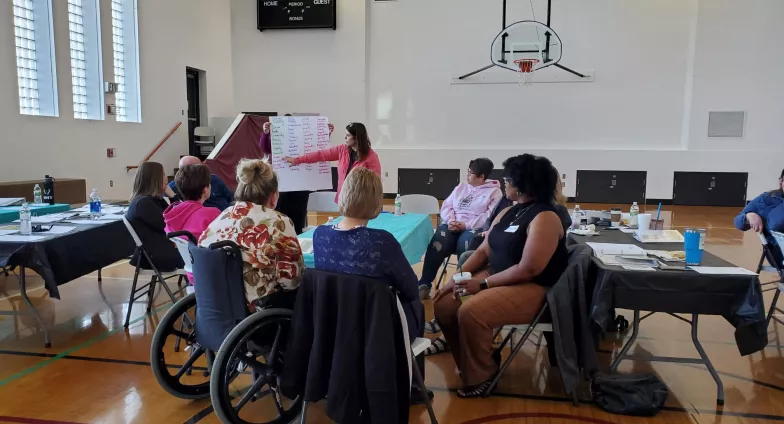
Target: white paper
<point>110,217</point>
<point>722,270</point>
<point>20,238</point>
<point>105,209</point>
<point>7,232</point>
<point>306,245</point>
<point>51,218</point>
<point>628,230</point>
<point>59,229</point>
<point>616,249</point>
<point>294,136</point>
<point>639,268</point>
<point>85,222</point>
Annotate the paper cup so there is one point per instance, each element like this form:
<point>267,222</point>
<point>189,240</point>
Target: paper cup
<point>462,276</point>
<point>644,221</point>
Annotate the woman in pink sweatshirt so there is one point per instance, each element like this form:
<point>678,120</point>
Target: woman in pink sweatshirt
<point>355,153</point>
<point>465,210</point>
<point>193,182</point>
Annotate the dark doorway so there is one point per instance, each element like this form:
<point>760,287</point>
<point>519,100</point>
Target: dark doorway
<point>710,188</point>
<point>194,111</point>
<point>615,187</point>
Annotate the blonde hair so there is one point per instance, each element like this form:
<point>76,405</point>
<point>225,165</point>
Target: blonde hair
<point>256,180</point>
<point>559,196</point>
<point>361,195</point>
<point>149,181</point>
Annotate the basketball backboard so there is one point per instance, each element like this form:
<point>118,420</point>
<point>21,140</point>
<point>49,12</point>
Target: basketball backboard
<point>526,40</point>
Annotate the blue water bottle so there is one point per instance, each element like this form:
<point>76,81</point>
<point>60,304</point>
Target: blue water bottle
<point>95,205</point>
<point>694,245</point>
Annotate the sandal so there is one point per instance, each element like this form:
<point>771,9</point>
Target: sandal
<point>432,327</point>
<point>439,346</point>
<point>475,391</point>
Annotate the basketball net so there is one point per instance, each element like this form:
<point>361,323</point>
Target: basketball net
<point>526,70</point>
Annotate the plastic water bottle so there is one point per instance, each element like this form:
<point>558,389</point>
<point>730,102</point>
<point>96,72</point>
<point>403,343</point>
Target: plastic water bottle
<point>25,220</point>
<point>633,212</point>
<point>330,222</point>
<point>577,217</point>
<point>95,205</point>
<point>398,205</point>
<point>38,196</point>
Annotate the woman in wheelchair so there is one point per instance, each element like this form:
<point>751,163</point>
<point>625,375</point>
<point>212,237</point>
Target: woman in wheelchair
<point>523,254</point>
<point>272,257</point>
<point>350,247</point>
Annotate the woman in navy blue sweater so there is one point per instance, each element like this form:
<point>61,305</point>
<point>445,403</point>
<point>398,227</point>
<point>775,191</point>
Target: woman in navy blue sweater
<point>765,214</point>
<point>351,248</point>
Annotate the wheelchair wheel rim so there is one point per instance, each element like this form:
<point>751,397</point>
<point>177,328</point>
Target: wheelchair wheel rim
<point>262,389</point>
<point>179,373</point>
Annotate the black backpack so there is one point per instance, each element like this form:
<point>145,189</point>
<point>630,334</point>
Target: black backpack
<point>641,395</point>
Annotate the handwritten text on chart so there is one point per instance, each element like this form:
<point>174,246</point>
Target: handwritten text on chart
<point>294,136</point>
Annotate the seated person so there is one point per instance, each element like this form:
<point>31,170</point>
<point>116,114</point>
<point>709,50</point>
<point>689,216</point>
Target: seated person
<point>193,183</point>
<point>145,214</point>
<point>765,214</point>
<point>523,254</point>
<point>271,253</point>
<point>350,247</point>
<point>220,195</point>
<point>465,210</point>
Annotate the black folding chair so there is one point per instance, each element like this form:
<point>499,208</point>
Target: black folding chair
<point>156,276</point>
<point>769,254</point>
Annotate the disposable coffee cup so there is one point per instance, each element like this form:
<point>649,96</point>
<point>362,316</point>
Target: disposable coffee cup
<point>462,276</point>
<point>615,218</point>
<point>644,221</point>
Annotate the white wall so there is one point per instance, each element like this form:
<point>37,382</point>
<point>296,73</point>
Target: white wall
<point>660,67</point>
<point>173,34</point>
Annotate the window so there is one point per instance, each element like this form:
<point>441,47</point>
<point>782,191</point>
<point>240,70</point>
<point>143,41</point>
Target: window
<point>86,70</point>
<point>125,45</point>
<point>35,67</point>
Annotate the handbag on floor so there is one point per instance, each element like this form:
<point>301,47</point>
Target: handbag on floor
<point>641,395</point>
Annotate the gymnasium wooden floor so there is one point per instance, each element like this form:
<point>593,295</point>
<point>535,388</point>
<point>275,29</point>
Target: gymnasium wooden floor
<point>96,372</point>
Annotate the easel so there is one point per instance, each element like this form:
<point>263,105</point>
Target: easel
<point>504,51</point>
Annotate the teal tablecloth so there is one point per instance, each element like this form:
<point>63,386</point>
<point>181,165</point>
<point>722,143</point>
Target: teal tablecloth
<point>412,231</point>
<point>11,213</point>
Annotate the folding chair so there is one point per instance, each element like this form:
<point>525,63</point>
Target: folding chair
<point>423,203</point>
<point>321,201</point>
<point>767,253</point>
<point>155,276</point>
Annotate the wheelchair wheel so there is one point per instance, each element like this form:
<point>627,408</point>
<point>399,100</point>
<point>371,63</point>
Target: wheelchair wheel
<point>180,365</point>
<point>257,344</point>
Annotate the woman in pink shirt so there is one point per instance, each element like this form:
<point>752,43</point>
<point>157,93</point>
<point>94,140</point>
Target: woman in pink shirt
<point>355,153</point>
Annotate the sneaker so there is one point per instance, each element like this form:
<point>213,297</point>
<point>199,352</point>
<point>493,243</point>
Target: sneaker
<point>424,291</point>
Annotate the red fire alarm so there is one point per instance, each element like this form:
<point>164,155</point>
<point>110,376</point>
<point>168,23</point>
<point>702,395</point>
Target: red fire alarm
<point>111,152</point>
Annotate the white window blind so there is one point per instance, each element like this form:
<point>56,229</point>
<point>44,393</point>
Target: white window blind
<point>125,45</point>
<point>86,69</point>
<point>35,68</point>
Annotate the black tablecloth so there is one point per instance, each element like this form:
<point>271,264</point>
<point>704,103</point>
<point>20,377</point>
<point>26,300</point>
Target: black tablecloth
<point>738,298</point>
<point>66,257</point>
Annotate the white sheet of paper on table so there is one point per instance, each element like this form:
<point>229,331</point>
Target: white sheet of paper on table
<point>639,268</point>
<point>110,218</point>
<point>7,232</point>
<point>19,237</point>
<point>59,229</point>
<point>722,270</point>
<point>85,222</point>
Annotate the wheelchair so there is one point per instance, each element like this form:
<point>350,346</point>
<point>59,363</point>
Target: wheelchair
<point>231,355</point>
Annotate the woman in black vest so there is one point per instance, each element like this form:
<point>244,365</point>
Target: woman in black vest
<point>523,254</point>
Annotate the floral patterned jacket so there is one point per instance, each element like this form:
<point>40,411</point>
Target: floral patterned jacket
<point>270,250</point>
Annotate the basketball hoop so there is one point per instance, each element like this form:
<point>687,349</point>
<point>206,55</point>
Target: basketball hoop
<point>526,70</point>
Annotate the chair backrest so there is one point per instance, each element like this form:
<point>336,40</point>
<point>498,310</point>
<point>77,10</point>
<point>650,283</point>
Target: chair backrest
<point>220,291</point>
<point>136,240</point>
<point>204,132</point>
<point>182,247</point>
<point>322,201</point>
<point>420,203</point>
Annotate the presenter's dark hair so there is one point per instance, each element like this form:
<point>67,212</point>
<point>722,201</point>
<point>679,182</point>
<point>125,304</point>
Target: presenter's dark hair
<point>358,130</point>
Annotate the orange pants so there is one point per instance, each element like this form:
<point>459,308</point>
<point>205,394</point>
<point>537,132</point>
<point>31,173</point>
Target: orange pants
<point>468,327</point>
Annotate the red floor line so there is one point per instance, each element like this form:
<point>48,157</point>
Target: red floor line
<point>493,418</point>
<point>20,420</point>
